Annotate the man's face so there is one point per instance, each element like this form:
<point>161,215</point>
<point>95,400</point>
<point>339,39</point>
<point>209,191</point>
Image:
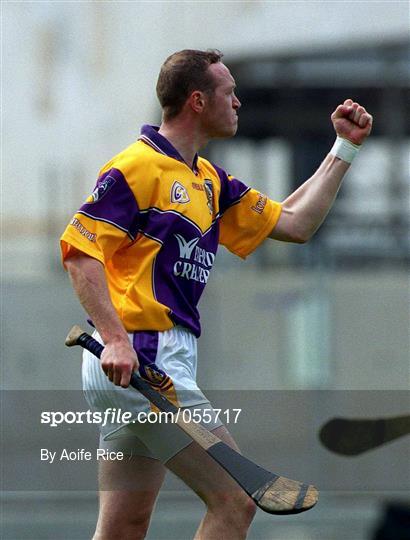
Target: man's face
<point>220,118</point>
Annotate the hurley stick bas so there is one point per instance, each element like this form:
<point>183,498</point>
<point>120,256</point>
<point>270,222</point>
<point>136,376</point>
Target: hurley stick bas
<point>272,493</point>
<point>353,436</point>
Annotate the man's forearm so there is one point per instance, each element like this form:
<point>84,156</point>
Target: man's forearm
<point>310,203</point>
<point>305,209</point>
<point>88,278</point>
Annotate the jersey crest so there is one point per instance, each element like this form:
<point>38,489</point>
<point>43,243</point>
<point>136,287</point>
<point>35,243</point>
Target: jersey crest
<point>103,185</point>
<point>209,190</point>
<point>178,193</point>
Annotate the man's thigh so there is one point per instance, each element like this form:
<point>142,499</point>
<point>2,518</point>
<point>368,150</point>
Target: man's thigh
<point>201,473</point>
<point>136,473</point>
<point>129,488</point>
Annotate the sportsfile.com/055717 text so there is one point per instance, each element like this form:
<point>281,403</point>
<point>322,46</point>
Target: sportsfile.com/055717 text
<point>117,416</point>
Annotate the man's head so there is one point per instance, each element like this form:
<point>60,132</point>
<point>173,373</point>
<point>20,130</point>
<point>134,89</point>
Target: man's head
<point>201,80</point>
<point>181,74</point>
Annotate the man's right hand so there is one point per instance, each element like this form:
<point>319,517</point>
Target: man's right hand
<point>118,361</point>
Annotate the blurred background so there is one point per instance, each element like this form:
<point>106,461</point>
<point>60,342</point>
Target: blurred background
<point>295,334</point>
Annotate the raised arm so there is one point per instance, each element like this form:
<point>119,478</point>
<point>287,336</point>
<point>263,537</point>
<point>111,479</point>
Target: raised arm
<point>87,275</point>
<point>305,209</point>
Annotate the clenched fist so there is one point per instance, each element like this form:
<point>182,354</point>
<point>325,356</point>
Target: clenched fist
<point>352,122</point>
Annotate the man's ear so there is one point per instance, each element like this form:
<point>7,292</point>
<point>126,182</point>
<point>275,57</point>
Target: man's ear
<point>197,101</point>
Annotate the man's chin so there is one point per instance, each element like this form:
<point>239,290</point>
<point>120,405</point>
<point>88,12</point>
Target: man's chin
<point>226,133</point>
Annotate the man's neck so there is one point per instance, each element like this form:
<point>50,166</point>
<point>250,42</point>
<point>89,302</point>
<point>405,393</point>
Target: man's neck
<point>183,136</point>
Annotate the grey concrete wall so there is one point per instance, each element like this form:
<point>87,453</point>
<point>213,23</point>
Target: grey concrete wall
<point>277,329</point>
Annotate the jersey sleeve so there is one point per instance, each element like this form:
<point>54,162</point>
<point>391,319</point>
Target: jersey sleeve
<point>247,216</point>
<point>105,222</point>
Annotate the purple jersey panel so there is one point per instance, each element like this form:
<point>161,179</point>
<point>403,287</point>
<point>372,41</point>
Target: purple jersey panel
<point>182,268</point>
<point>112,201</point>
<point>231,190</point>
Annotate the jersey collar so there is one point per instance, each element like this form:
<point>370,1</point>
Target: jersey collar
<point>150,135</point>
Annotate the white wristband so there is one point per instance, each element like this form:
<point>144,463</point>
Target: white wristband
<point>344,149</point>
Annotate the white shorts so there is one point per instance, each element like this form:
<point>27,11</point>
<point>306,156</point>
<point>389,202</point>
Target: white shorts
<point>168,360</point>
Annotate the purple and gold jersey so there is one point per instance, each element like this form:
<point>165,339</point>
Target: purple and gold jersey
<point>155,225</point>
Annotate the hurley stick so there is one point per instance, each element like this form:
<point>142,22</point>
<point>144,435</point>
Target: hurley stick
<point>353,436</point>
<point>272,493</point>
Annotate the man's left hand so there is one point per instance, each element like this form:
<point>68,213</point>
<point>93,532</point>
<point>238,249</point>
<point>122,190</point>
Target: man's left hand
<point>352,122</point>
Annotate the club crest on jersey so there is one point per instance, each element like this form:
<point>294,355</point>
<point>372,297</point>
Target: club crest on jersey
<point>178,193</point>
<point>209,190</point>
<point>103,185</point>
